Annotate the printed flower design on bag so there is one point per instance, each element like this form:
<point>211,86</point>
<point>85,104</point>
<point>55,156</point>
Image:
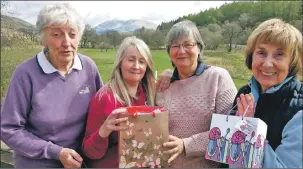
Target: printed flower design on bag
<point>214,142</point>
<point>236,149</point>
<point>134,157</point>
<point>241,141</point>
<point>238,137</point>
<point>257,155</point>
<point>148,133</point>
<point>141,146</point>
<point>124,164</point>
<point>223,146</point>
<point>129,124</point>
<point>247,150</point>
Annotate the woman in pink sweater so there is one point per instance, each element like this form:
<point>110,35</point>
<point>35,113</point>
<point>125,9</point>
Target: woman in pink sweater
<point>196,92</point>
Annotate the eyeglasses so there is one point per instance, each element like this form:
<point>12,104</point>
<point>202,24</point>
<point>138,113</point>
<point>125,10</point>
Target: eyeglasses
<point>185,46</point>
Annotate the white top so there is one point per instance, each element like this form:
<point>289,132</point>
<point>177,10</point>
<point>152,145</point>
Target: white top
<point>48,68</point>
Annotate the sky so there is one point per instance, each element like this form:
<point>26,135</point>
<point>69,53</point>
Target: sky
<point>96,12</point>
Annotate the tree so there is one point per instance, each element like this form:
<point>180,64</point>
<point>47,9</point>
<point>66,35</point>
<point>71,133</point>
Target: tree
<point>142,33</point>
<point>248,13</point>
<point>214,27</point>
<point>104,43</point>
<point>5,9</point>
<point>244,20</point>
<point>243,36</point>
<point>31,33</point>
<point>211,39</point>
<point>156,39</point>
<point>114,38</point>
<point>88,35</point>
<point>94,40</point>
<point>231,31</point>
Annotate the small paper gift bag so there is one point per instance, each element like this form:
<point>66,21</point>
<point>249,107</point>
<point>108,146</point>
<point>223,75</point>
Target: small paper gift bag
<point>142,145</point>
<point>236,140</point>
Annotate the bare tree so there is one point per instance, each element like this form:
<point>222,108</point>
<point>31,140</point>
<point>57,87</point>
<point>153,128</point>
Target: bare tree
<point>213,27</point>
<point>212,39</point>
<point>231,31</point>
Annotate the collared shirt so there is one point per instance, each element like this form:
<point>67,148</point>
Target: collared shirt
<point>199,70</point>
<point>48,68</point>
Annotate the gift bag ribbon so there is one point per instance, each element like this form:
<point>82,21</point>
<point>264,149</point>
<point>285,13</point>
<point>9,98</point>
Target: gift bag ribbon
<point>136,110</point>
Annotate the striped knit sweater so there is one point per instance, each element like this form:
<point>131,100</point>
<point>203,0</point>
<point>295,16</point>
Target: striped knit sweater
<point>191,103</point>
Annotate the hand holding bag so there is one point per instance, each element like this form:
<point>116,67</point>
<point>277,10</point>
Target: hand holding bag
<point>236,140</point>
<point>142,145</point>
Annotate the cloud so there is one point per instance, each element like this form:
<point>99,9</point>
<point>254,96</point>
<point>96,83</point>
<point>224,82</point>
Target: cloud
<point>95,19</point>
<point>96,12</point>
<point>153,16</point>
<point>29,10</point>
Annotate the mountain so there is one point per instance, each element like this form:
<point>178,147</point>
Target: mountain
<point>124,26</point>
<point>16,23</point>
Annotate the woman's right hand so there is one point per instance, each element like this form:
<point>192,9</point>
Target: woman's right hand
<point>112,123</point>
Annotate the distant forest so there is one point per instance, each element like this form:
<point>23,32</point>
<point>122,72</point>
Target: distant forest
<point>249,13</point>
<point>233,22</point>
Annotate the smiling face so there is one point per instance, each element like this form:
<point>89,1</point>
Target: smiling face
<point>133,66</point>
<point>184,52</point>
<point>270,65</point>
<point>62,42</point>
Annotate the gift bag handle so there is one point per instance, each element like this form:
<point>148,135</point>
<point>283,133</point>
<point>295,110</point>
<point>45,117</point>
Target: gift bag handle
<point>228,113</point>
<point>247,109</point>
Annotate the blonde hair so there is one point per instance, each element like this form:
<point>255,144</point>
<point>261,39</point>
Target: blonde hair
<point>116,83</point>
<point>276,31</point>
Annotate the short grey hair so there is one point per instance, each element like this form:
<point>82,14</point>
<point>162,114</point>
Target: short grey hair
<point>181,29</point>
<point>59,14</point>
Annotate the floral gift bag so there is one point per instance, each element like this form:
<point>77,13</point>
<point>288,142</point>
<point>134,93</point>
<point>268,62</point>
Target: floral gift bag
<point>141,146</point>
<point>236,140</point>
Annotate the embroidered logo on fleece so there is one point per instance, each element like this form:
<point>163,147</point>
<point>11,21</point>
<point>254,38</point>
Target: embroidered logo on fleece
<point>84,91</point>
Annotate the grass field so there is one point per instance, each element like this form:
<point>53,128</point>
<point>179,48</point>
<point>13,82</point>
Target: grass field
<point>233,62</point>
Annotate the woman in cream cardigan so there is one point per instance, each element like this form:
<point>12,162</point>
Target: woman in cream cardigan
<point>196,91</point>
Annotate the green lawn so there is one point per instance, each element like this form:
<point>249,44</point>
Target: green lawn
<point>233,62</point>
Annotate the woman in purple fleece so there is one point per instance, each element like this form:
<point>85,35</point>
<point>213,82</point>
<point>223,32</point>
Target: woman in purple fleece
<point>44,113</point>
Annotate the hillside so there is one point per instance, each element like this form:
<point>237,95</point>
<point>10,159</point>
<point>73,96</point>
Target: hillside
<point>15,23</point>
<point>256,12</point>
<point>124,26</point>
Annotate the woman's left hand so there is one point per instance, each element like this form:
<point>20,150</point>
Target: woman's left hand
<point>175,146</point>
<point>242,102</point>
